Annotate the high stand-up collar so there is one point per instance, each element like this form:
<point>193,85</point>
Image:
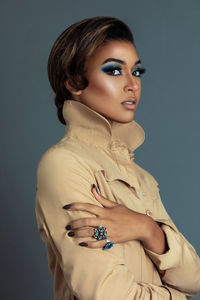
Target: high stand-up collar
<point>91,127</point>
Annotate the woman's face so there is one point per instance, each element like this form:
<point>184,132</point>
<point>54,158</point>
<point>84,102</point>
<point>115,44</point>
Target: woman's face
<point>113,74</point>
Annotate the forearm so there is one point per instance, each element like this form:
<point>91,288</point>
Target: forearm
<point>153,238</point>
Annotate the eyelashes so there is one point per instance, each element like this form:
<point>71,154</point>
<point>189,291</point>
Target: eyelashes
<point>115,70</point>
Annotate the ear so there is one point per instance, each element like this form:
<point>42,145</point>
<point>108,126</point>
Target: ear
<point>71,89</point>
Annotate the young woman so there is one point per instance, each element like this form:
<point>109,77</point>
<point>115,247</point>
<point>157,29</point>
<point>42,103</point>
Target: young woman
<point>106,231</point>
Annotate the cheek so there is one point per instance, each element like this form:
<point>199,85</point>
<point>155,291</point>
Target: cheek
<point>105,85</point>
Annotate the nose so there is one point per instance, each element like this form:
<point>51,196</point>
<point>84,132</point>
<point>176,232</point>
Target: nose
<point>131,83</point>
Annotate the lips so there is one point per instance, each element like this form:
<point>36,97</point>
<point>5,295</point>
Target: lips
<point>133,100</point>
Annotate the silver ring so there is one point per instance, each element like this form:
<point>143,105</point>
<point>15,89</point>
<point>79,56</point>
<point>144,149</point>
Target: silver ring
<point>100,233</point>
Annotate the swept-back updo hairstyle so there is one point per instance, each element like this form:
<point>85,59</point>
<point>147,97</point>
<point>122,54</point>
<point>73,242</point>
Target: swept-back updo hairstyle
<point>72,49</point>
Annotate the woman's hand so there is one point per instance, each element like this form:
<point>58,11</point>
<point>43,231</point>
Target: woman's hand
<point>122,224</point>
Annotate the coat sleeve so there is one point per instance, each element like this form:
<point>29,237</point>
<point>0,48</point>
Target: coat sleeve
<point>91,274</point>
<point>179,267</point>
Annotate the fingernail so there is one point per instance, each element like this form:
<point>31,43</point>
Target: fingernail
<point>94,186</point>
<point>83,244</point>
<point>71,233</point>
<point>67,206</point>
<point>68,227</point>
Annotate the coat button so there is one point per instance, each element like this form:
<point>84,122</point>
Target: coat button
<point>149,212</point>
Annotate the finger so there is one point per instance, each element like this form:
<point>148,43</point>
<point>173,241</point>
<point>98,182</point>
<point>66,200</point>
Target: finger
<point>105,202</point>
<point>95,245</point>
<point>83,232</point>
<point>85,222</point>
<point>91,208</point>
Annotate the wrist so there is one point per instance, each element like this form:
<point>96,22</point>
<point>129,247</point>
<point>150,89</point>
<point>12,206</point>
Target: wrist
<point>147,229</point>
<point>153,237</point>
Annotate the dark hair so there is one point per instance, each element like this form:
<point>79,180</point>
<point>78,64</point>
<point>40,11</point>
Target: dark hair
<point>72,49</point>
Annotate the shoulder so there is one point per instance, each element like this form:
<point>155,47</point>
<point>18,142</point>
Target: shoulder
<point>71,154</point>
<point>54,154</point>
<point>59,159</point>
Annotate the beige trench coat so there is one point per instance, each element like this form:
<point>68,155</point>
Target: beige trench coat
<point>90,152</point>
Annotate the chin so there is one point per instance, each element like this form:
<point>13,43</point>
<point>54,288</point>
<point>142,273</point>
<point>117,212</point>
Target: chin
<point>127,120</point>
<point>124,121</point>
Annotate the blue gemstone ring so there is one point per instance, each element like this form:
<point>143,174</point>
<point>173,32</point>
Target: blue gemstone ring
<point>108,245</point>
<point>100,233</point>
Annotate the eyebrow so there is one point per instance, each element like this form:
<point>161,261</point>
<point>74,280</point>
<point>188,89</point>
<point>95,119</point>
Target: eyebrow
<point>119,61</point>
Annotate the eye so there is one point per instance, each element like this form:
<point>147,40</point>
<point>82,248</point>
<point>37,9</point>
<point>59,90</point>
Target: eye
<point>138,71</point>
<point>112,70</point>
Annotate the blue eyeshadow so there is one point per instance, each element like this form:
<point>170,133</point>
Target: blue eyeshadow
<point>106,68</point>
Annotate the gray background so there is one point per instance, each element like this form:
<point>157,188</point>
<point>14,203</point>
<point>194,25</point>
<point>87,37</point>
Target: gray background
<point>168,43</point>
